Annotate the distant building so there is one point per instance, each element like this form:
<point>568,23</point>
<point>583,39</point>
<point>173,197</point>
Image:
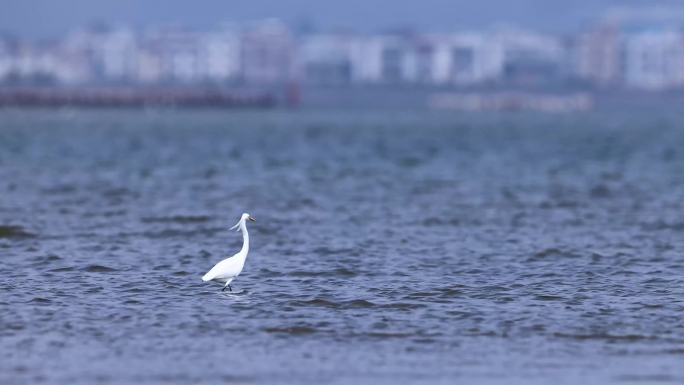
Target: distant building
<point>531,58</point>
<point>599,55</point>
<point>118,53</point>
<point>395,59</point>
<point>654,59</point>
<point>149,65</point>
<point>423,61</point>
<point>367,59</point>
<point>327,59</point>
<point>354,59</point>
<point>267,53</point>
<point>24,63</point>
<point>644,51</point>
<point>637,48</point>
<point>86,48</point>
<point>177,54</point>
<point>220,55</point>
<point>475,58</point>
<point>459,59</point>
<point>6,57</point>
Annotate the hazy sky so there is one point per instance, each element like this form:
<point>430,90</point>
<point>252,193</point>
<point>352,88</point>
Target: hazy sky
<point>42,18</point>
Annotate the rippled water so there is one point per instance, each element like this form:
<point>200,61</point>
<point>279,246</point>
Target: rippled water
<point>389,248</point>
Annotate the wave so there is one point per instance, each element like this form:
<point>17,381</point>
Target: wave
<point>98,269</point>
<point>15,232</point>
<point>178,219</point>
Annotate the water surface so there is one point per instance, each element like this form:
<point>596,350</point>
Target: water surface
<point>389,247</point>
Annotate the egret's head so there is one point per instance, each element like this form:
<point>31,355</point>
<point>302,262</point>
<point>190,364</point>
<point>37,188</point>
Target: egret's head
<point>243,219</point>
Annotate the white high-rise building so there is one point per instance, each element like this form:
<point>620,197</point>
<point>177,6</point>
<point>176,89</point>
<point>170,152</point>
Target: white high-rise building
<point>178,51</point>
<point>118,54</point>
<point>458,59</point>
<point>532,57</point>
<point>599,55</point>
<point>220,55</point>
<point>100,54</point>
<point>327,59</point>
<point>655,59</point>
<point>366,59</point>
<point>149,66</point>
<point>268,53</point>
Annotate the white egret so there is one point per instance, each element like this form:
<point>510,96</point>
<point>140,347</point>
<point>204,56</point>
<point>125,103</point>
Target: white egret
<point>228,269</point>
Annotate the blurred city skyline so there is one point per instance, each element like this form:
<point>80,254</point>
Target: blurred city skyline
<point>40,19</point>
<point>633,48</point>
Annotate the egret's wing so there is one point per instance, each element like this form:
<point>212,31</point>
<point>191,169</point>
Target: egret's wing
<point>227,268</point>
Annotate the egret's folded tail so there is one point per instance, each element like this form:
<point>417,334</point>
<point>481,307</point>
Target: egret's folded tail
<point>207,277</point>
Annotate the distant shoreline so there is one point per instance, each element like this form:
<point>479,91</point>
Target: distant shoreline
<point>132,97</point>
<point>470,99</point>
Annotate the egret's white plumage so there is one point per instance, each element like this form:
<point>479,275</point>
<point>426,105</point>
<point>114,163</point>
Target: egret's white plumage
<point>228,269</point>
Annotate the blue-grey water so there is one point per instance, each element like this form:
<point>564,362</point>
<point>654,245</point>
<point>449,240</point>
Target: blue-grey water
<point>389,248</point>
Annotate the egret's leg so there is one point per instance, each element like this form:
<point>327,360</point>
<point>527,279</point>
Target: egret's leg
<point>230,288</point>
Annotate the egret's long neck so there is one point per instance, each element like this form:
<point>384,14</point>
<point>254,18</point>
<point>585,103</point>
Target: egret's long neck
<point>245,238</point>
